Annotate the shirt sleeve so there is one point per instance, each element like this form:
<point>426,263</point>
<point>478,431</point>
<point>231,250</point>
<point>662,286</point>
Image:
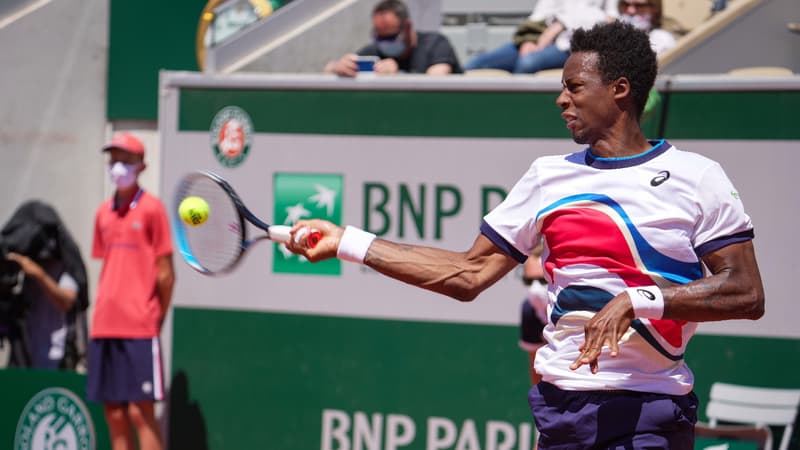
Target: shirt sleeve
<point>512,224</point>
<point>67,282</point>
<point>443,53</point>
<point>722,220</point>
<point>544,10</point>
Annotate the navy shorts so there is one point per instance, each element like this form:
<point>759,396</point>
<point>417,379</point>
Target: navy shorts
<point>124,370</point>
<point>612,419</point>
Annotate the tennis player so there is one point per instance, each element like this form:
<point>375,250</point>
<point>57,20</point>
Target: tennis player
<point>627,225</point>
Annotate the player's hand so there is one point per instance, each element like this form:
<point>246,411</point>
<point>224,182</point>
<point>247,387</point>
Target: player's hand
<point>29,266</point>
<point>606,328</point>
<point>386,66</point>
<point>328,243</point>
<point>346,66</point>
<point>527,47</point>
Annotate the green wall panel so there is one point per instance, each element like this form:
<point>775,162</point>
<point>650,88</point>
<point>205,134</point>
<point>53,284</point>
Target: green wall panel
<point>19,386</point>
<point>146,36</point>
<point>382,113</point>
<point>279,371</point>
<point>690,115</point>
<point>235,370</point>
<point>733,115</point>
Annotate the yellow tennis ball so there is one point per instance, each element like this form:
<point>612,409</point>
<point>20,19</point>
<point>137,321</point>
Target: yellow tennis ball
<point>193,211</point>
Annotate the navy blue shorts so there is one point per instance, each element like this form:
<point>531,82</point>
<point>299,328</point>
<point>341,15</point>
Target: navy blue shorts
<point>124,370</point>
<point>612,419</point>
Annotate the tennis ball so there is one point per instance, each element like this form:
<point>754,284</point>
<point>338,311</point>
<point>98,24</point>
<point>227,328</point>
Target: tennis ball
<point>193,211</point>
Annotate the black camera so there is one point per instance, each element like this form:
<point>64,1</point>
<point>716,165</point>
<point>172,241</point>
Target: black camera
<point>11,282</point>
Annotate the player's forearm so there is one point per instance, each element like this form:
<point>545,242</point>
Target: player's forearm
<point>734,291</point>
<point>723,296</point>
<point>439,69</point>
<point>61,297</point>
<point>165,282</point>
<point>454,274</point>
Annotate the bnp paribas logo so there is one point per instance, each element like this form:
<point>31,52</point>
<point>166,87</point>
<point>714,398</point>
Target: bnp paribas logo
<point>304,196</point>
<point>55,418</point>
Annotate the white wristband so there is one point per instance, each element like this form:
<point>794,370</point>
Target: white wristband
<point>354,244</point>
<point>648,301</point>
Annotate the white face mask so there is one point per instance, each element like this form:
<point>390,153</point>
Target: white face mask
<point>642,22</point>
<point>123,175</point>
<point>393,48</point>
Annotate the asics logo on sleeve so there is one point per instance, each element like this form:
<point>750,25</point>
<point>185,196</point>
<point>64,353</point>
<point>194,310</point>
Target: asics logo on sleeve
<point>660,178</point>
<point>646,294</point>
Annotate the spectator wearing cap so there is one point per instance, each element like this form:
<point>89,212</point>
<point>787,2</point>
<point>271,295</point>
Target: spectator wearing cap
<point>132,237</point>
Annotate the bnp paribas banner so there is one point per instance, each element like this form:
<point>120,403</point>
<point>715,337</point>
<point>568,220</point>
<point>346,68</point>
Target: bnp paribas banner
<point>285,354</point>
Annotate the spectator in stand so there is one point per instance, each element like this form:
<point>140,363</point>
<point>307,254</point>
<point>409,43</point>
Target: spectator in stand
<point>646,15</point>
<point>542,42</point>
<point>399,47</point>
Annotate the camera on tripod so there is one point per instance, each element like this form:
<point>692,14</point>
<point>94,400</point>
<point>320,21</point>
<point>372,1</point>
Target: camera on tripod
<point>12,279</point>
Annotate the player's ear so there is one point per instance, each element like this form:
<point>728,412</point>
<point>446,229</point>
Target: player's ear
<point>622,88</point>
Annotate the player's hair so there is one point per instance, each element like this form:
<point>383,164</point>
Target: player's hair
<point>394,6</point>
<point>623,51</point>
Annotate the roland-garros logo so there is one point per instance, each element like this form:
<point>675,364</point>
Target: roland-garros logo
<point>55,419</point>
<point>231,135</point>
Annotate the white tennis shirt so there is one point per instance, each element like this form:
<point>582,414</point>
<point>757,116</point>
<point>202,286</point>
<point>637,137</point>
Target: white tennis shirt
<point>613,223</point>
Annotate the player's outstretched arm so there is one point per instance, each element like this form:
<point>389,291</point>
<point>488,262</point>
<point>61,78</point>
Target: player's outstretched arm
<point>733,291</point>
<point>461,275</point>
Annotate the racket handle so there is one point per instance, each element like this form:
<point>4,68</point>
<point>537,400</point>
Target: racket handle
<point>312,236</point>
<point>281,233</point>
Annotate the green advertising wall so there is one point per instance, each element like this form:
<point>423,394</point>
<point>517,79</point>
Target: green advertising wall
<point>146,36</point>
<point>35,403</point>
<point>256,379</point>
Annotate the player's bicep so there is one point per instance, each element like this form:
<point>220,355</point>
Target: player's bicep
<point>738,263</point>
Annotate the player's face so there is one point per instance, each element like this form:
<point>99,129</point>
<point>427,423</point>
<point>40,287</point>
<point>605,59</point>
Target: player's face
<point>586,102</point>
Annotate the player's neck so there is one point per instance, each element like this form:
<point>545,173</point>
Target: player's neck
<point>623,141</point>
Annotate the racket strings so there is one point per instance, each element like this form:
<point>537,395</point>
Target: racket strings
<point>216,244</point>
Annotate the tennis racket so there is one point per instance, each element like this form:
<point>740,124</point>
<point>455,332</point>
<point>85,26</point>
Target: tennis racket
<point>218,245</point>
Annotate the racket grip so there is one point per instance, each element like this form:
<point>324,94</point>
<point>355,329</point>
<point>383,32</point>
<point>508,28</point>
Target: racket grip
<point>280,233</point>
<point>312,236</point>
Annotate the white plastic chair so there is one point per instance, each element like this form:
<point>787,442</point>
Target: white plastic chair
<point>761,407</point>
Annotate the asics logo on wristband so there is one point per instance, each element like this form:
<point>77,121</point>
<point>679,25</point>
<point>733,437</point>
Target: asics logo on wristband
<point>646,294</point>
<point>660,178</point>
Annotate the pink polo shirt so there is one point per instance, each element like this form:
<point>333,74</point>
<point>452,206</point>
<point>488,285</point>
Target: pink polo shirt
<point>127,297</point>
